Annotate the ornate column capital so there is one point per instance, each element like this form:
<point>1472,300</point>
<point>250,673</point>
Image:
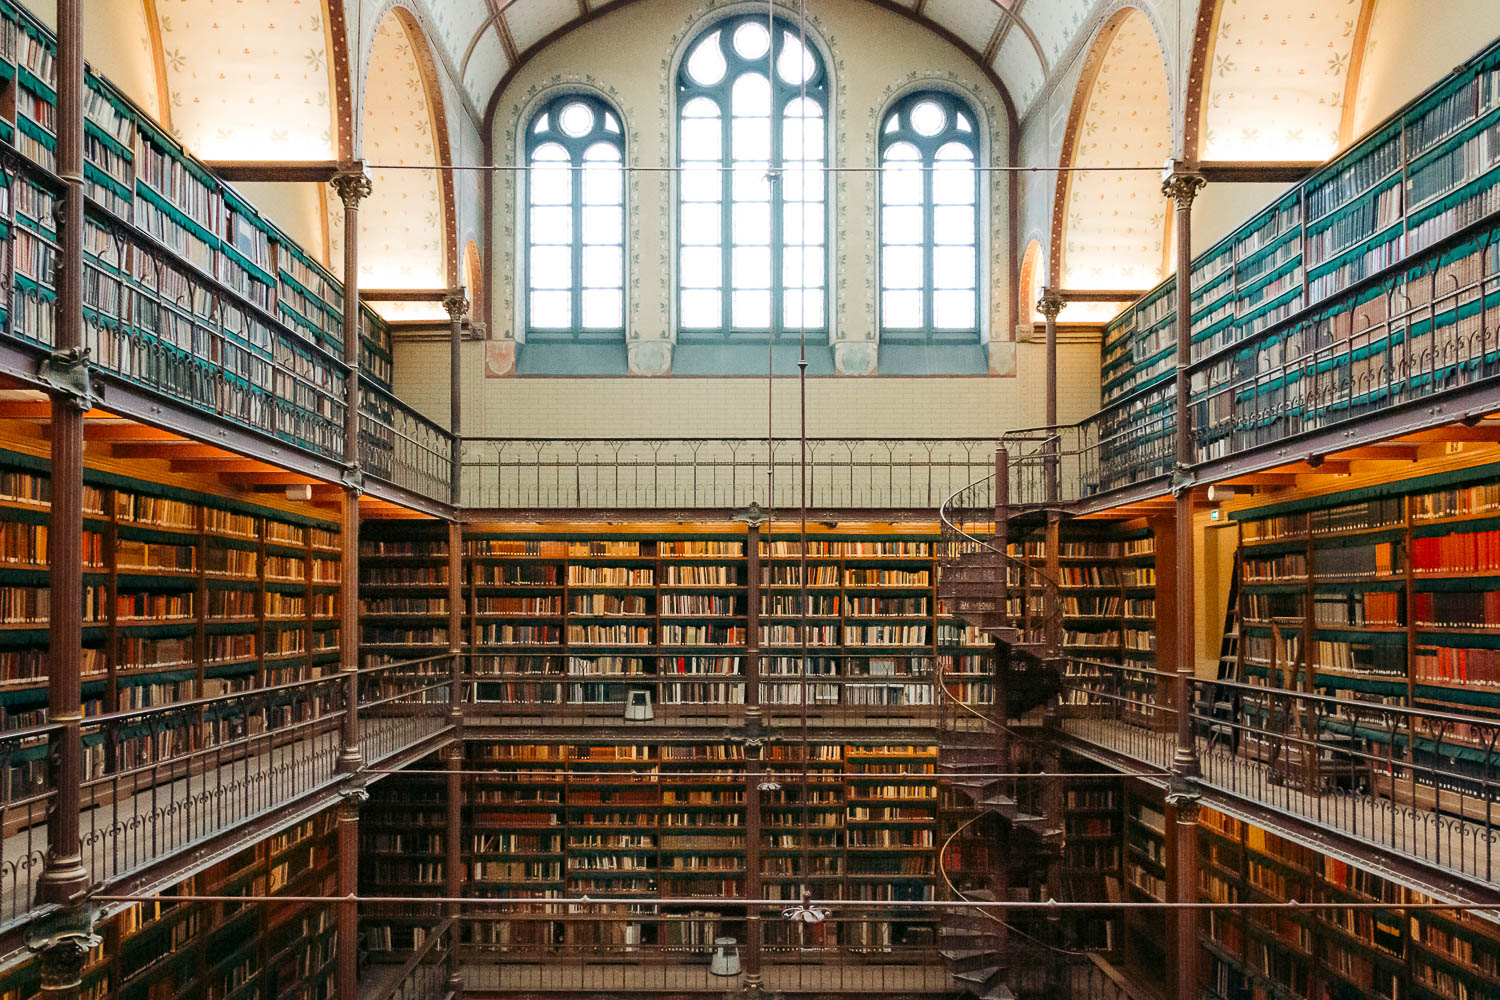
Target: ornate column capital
<point>352,185</point>
<point>456,303</point>
<point>1181,184</point>
<point>62,942</point>
<point>1050,304</point>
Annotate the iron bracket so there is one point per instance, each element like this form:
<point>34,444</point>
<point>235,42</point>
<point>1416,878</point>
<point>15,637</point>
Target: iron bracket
<point>66,373</point>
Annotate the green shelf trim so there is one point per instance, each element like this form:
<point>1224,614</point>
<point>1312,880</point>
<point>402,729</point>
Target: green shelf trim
<point>36,132</point>
<point>119,147</point>
<point>1264,308</point>
<point>1457,640</point>
<point>150,194</point>
<point>1405,487</point>
<point>257,273</point>
<point>164,677</point>
<point>99,176</point>
<point>36,84</point>
<point>236,669</point>
<point>1355,634</point>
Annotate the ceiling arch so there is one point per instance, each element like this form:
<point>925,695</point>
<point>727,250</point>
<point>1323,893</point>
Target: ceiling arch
<point>1109,226</point>
<point>406,225</point>
<point>1272,80</point>
<point>1019,41</point>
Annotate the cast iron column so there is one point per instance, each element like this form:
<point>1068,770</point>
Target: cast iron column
<point>352,186</point>
<point>1182,186</point>
<point>457,305</point>
<point>453,839</point>
<point>62,941</point>
<point>755,738</point>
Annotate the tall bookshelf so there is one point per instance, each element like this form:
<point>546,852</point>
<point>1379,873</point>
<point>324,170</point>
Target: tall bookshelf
<point>579,620</point>
<point>187,595</point>
<point>224,948</point>
<point>1385,596</point>
<point>1329,262</point>
<point>403,591</point>
<point>152,300</point>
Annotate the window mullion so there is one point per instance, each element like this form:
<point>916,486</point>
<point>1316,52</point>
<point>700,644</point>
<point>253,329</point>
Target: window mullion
<point>576,162</point>
<point>778,207</point>
<point>929,242</point>
<point>726,207</point>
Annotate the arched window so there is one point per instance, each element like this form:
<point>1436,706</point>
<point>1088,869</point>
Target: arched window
<point>752,103</point>
<point>575,222</point>
<point>929,222</point>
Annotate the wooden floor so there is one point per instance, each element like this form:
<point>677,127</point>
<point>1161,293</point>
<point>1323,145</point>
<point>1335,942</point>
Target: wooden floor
<point>1440,839</point>
<point>818,980</point>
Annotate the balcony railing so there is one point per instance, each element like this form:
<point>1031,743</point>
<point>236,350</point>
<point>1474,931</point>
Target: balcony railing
<point>162,324</point>
<point>160,780</point>
<point>718,473</point>
<point>1420,783</point>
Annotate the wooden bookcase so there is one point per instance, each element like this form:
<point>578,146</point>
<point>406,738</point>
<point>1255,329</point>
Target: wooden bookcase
<point>1388,596</point>
<point>224,949</point>
<point>187,595</point>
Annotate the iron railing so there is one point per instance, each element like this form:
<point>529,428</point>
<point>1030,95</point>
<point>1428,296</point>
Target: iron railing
<point>1420,783</point>
<point>401,446</point>
<point>718,473</point>
<point>160,780</point>
<point>422,975</point>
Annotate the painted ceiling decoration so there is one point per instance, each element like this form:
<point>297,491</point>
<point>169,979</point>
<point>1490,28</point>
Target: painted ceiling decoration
<point>249,80</point>
<point>1019,40</point>
<point>1113,226</point>
<point>1277,76</point>
<point>404,223</point>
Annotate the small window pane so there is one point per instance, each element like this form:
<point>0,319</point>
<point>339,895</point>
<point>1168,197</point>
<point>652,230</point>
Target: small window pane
<point>803,223</point>
<point>752,224</point>
<point>928,118</point>
<point>903,267</point>
<point>752,97</point>
<point>752,267</point>
<point>602,309</point>
<point>751,181</point>
<point>752,309</point>
<point>701,138</point>
<point>603,267</point>
<point>795,64</point>
<point>701,224</point>
<point>702,267</point>
<point>901,310</point>
<point>551,310</point>
<point>551,225</point>
<point>803,182</point>
<point>751,138</point>
<point>602,224</point>
<point>803,267</point>
<point>706,63</point>
<point>751,40</point>
<point>551,267</point>
<point>901,224</point>
<point>700,107</point>
<point>804,308</point>
<point>953,224</point>
<point>576,120</point>
<point>953,310</point>
<point>702,182</point>
<point>701,310</point>
<point>953,267</point>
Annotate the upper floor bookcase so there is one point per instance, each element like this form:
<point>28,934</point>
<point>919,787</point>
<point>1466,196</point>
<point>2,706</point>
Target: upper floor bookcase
<point>1361,287</point>
<point>187,287</point>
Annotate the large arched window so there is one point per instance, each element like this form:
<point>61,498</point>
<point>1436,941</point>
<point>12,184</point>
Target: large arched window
<point>929,222</point>
<point>575,223</point>
<point>752,103</point>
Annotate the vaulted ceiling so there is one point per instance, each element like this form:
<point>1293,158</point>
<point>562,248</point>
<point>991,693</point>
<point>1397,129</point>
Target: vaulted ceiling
<point>1019,40</point>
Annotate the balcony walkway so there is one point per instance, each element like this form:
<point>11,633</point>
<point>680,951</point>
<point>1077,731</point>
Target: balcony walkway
<point>581,976</point>
<point>125,831</point>
<point>1440,839</point>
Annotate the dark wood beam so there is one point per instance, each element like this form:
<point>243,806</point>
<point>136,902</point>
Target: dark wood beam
<point>1099,294</point>
<point>405,295</point>
<point>1485,433</point>
<point>1255,172</point>
<point>294,171</point>
<point>1392,452</point>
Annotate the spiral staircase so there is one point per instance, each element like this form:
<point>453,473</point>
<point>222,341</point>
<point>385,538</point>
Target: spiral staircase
<point>1002,843</point>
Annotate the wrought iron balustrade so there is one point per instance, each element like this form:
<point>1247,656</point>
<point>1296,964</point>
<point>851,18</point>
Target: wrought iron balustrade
<point>25,797</point>
<point>1421,783</point>
<point>401,446</point>
<point>422,975</point>
<point>402,704</point>
<point>718,473</point>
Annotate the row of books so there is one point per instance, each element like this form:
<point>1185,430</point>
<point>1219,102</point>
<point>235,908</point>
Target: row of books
<point>1458,552</point>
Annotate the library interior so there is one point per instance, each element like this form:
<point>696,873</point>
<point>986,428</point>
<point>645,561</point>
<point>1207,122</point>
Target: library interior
<point>737,499</point>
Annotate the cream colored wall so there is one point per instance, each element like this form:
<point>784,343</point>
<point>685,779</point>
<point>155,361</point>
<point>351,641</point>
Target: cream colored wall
<point>708,407</point>
<point>1414,43</point>
<point>628,58</point>
<point>296,208</point>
